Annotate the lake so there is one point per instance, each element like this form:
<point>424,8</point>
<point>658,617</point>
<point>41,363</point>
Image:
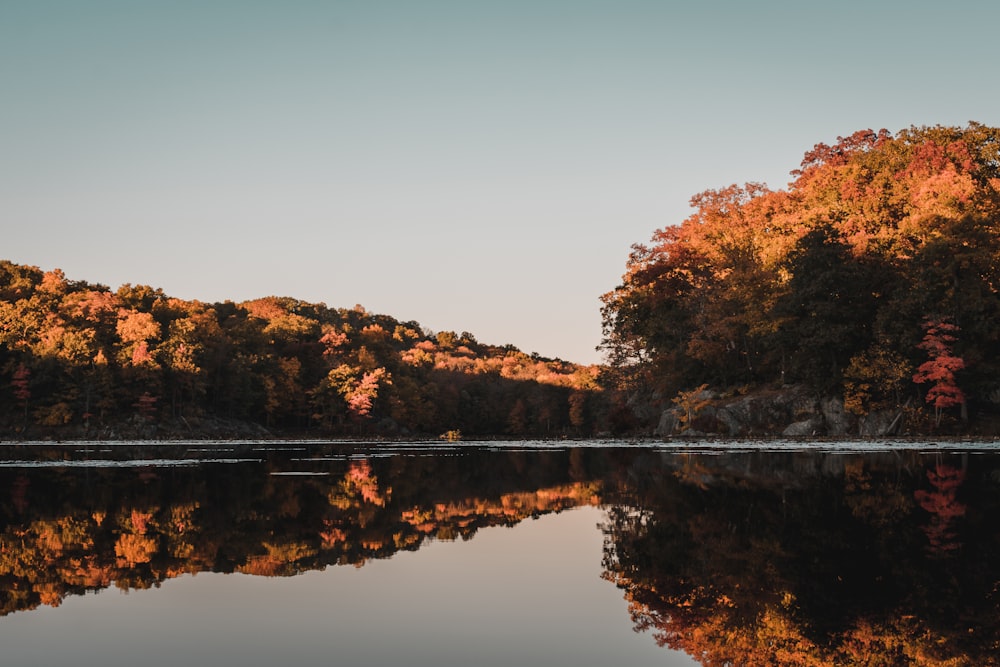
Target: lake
<point>500,553</point>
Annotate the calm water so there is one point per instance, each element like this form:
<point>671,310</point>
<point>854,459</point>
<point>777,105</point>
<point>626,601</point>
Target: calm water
<point>590,553</point>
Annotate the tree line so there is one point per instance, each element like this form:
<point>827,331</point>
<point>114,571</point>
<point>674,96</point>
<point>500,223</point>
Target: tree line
<point>81,359</point>
<point>874,277</point>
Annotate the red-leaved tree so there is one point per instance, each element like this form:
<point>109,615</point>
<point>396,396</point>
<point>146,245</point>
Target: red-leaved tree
<point>940,369</point>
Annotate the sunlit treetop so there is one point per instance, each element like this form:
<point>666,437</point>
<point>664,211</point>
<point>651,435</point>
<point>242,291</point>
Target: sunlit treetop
<point>875,233</point>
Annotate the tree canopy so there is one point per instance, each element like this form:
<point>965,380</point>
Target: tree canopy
<point>82,359</point>
<point>831,282</point>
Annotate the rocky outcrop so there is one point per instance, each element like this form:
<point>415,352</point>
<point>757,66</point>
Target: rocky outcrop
<point>838,421</point>
<point>807,427</point>
<point>790,412</point>
<point>173,429</point>
<point>760,413</point>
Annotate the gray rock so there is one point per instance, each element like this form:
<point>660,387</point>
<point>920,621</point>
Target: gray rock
<point>810,426</point>
<point>838,421</point>
<point>731,418</point>
<point>877,423</point>
<point>669,423</point>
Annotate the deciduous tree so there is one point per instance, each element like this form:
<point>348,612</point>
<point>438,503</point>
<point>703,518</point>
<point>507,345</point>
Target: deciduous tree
<point>944,392</point>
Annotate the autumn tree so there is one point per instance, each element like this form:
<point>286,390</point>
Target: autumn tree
<point>647,320</point>
<point>876,379</point>
<point>944,392</point>
<point>97,356</point>
<point>826,310</point>
<point>690,404</point>
<point>825,283</point>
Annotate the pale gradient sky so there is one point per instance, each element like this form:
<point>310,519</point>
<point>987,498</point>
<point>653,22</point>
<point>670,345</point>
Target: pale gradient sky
<point>478,166</point>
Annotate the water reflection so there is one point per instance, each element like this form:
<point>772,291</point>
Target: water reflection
<point>73,528</point>
<point>744,558</point>
<point>813,559</point>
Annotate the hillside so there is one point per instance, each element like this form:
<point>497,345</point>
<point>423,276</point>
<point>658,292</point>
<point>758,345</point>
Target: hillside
<point>872,278</point>
<point>82,360</point>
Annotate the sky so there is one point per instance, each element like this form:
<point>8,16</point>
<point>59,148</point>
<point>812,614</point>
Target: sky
<point>472,166</point>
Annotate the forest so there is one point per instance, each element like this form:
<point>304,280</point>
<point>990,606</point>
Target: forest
<point>872,278</point>
<point>82,360</point>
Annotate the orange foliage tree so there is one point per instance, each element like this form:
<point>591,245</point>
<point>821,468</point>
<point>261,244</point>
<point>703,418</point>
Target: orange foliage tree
<point>96,358</point>
<point>826,283</point>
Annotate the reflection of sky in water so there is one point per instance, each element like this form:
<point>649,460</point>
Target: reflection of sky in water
<point>529,595</point>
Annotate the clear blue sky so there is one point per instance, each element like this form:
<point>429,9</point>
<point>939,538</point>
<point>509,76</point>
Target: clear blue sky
<point>478,166</point>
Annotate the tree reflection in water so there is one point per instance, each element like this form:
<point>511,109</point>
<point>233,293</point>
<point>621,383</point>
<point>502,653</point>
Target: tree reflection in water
<point>69,529</point>
<point>812,559</point>
<point>781,558</point>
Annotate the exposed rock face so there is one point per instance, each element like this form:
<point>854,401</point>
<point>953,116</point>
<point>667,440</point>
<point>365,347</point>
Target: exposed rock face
<point>766,413</point>
<point>669,423</point>
<point>204,427</point>
<point>811,426</point>
<point>790,412</point>
<point>838,421</point>
<point>879,423</point>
